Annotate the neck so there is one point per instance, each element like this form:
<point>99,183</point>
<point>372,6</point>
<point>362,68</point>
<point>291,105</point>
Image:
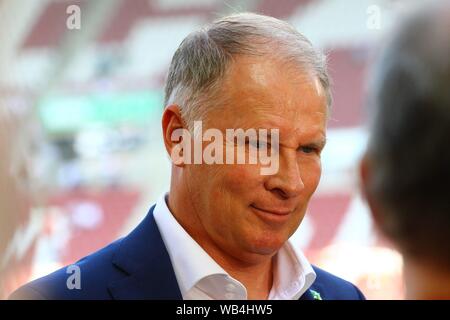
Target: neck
<point>256,275</point>
<point>426,281</point>
<point>257,279</point>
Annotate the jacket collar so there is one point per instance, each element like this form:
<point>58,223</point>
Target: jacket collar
<point>142,255</point>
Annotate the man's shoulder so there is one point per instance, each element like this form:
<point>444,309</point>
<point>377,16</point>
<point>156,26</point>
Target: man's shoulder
<point>331,287</point>
<point>134,267</point>
<point>88,278</point>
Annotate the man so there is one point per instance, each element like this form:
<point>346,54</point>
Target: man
<point>222,231</point>
<point>406,169</point>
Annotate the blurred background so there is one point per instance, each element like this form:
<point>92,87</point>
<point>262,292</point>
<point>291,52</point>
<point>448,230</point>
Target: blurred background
<point>82,158</point>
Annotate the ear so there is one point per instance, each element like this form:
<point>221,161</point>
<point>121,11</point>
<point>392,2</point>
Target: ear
<point>172,124</point>
<point>365,177</point>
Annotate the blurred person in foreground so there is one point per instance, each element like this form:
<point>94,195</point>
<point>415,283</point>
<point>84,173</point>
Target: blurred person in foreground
<point>222,230</point>
<point>17,194</point>
<point>406,170</point>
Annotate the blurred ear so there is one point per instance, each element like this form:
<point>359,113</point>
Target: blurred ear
<point>366,176</point>
<point>172,123</point>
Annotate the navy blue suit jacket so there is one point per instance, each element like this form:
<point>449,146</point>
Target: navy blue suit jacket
<point>138,267</point>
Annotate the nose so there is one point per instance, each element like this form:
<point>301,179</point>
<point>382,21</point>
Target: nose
<point>287,182</point>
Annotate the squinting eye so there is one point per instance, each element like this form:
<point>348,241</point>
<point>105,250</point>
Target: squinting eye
<point>257,143</point>
<point>307,149</point>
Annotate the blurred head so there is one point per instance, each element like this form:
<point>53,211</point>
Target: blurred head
<point>406,169</point>
<point>248,71</point>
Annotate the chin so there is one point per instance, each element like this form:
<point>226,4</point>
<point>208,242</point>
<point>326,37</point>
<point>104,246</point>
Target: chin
<point>267,244</point>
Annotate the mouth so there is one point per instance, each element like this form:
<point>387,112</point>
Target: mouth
<point>272,215</point>
<point>279,212</point>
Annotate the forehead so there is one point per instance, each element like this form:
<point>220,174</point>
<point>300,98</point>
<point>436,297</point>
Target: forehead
<point>261,91</point>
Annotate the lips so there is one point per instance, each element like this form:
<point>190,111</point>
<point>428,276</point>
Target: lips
<point>275,211</point>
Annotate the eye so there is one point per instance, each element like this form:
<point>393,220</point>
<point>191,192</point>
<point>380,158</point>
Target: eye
<point>257,143</point>
<point>308,150</point>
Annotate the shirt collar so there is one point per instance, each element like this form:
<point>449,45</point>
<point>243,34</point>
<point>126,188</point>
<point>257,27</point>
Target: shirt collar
<point>296,277</point>
<point>293,274</point>
<point>182,248</point>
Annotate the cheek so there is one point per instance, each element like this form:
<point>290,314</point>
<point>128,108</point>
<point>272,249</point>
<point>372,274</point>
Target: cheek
<point>236,181</point>
<point>311,175</point>
<point>243,178</point>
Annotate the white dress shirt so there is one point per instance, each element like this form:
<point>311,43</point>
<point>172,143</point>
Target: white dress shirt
<point>200,277</point>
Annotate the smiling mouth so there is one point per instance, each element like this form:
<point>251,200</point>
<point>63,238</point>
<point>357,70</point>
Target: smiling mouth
<point>277,212</point>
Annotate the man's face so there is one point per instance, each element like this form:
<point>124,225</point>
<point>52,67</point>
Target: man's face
<point>244,213</point>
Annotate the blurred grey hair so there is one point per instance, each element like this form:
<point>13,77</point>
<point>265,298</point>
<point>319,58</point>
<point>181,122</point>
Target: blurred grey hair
<point>410,131</point>
<point>202,58</point>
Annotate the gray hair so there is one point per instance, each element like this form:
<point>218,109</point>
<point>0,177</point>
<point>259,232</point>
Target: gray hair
<point>201,60</point>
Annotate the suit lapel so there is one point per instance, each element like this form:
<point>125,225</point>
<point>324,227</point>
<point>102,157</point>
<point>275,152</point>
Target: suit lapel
<point>143,256</point>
